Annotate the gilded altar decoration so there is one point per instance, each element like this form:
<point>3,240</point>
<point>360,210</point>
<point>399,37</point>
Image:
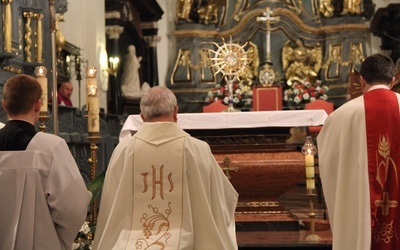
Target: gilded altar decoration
<point>183,8</point>
<point>301,62</point>
<point>230,59</point>
<point>208,11</point>
<point>250,71</point>
<point>334,62</point>
<point>301,92</point>
<point>325,8</point>
<point>351,7</point>
<point>356,54</point>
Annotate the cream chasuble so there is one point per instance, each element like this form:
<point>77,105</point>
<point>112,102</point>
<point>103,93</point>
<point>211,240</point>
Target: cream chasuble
<point>164,190</point>
<point>343,161</point>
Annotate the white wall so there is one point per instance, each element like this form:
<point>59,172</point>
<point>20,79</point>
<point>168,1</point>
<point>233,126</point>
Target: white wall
<point>375,41</point>
<point>165,46</point>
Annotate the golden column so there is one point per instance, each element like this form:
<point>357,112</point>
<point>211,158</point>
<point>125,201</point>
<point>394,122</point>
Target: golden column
<point>39,37</point>
<point>7,26</point>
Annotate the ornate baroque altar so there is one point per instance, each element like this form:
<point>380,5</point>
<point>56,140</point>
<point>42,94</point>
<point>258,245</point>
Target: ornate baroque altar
<point>318,39</point>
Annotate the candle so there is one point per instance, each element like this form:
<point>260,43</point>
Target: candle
<point>310,175</point>
<point>40,73</point>
<point>93,114</point>
<point>92,102</point>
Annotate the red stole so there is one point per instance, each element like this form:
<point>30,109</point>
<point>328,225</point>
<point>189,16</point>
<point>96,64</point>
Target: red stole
<point>383,142</point>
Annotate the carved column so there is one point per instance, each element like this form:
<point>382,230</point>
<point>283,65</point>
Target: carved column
<point>150,30</point>
<point>7,24</point>
<point>113,32</point>
<point>39,37</point>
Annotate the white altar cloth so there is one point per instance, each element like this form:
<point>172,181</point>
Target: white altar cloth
<point>229,120</point>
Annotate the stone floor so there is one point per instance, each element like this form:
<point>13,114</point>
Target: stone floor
<point>298,203</point>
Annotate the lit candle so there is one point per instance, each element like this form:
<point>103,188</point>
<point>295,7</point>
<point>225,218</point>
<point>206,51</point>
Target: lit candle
<point>309,150</point>
<point>92,101</point>
<point>40,72</point>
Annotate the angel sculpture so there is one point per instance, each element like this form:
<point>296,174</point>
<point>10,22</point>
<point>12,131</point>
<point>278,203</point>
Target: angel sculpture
<point>301,62</point>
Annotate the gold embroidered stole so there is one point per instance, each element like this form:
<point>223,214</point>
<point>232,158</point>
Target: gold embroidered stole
<point>157,191</point>
<point>383,143</point>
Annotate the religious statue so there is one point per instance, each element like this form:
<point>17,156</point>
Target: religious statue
<point>325,8</point>
<point>183,8</point>
<point>208,11</point>
<point>250,70</point>
<point>301,62</point>
<point>351,7</point>
<point>334,62</point>
<point>130,82</point>
<point>60,39</point>
<point>356,54</point>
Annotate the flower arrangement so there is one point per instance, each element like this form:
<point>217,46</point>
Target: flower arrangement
<point>84,239</point>
<point>301,92</point>
<point>242,94</point>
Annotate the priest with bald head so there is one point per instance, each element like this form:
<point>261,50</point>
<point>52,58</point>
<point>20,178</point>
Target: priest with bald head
<point>164,189</point>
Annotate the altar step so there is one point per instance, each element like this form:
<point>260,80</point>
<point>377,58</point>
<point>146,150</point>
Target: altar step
<point>297,203</point>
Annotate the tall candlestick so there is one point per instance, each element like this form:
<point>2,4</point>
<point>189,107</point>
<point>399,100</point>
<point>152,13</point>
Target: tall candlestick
<point>309,150</point>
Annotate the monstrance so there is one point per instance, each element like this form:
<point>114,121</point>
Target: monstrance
<point>230,59</point>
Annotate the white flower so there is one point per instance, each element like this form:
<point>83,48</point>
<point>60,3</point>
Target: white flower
<point>297,100</point>
<point>306,96</point>
<point>226,100</point>
<point>75,245</point>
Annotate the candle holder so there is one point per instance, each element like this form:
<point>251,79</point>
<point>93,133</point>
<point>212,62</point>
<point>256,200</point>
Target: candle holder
<point>230,59</point>
<point>92,105</point>
<point>43,116</point>
<point>309,150</point>
<point>93,137</point>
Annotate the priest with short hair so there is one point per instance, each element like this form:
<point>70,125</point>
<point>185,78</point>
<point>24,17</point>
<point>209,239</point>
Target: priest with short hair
<point>359,159</point>
<point>43,198</point>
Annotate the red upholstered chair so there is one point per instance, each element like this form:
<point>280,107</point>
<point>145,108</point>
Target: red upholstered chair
<point>318,104</point>
<point>214,107</point>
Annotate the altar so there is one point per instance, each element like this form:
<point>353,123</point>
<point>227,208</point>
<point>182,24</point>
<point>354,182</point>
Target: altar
<point>260,153</point>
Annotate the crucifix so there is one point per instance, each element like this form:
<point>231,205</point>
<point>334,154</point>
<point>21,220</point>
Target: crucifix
<point>267,18</point>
